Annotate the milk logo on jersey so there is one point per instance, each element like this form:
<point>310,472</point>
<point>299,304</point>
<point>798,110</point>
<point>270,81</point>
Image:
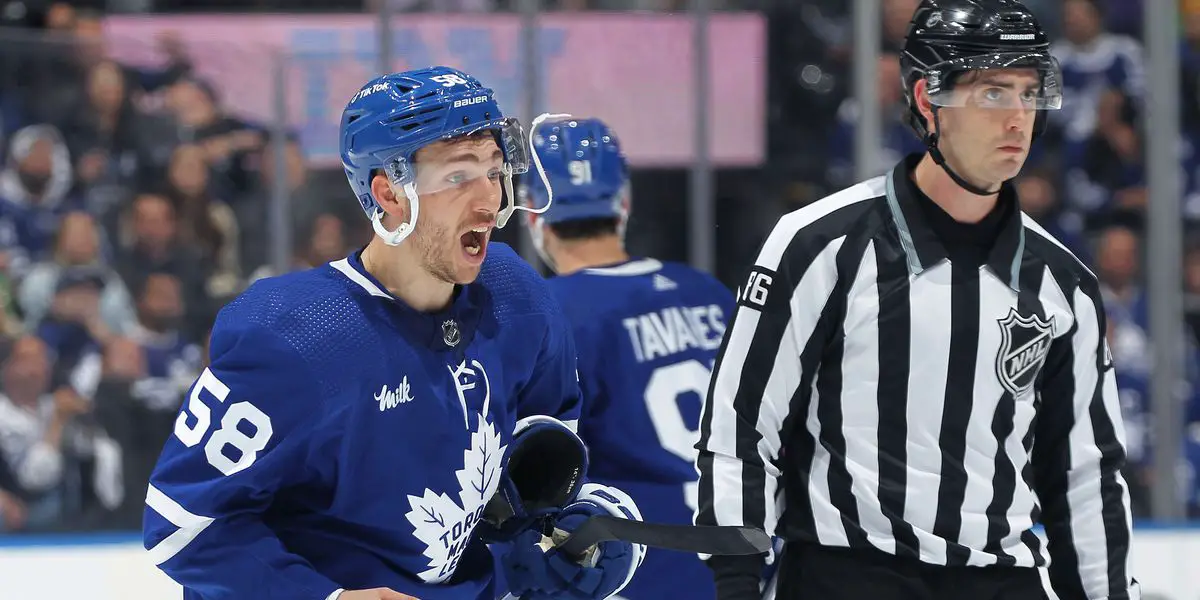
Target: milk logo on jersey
<point>401,394</point>
<point>1024,344</point>
<point>444,524</point>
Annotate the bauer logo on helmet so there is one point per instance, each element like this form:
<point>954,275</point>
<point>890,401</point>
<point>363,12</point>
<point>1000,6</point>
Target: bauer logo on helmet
<point>470,101</point>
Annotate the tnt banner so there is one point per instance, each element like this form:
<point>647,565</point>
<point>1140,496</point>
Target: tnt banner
<point>633,70</point>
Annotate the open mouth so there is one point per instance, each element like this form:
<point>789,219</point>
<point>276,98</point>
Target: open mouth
<point>474,240</point>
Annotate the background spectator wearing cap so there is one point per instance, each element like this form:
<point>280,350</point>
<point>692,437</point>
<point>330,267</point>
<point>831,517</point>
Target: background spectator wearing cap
<point>74,331</point>
<point>78,244</point>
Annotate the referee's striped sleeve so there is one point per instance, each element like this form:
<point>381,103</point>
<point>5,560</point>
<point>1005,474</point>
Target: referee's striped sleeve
<point>1079,450</point>
<point>759,367</point>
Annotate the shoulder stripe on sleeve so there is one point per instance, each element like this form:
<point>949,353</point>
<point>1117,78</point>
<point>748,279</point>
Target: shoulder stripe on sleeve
<point>190,525</point>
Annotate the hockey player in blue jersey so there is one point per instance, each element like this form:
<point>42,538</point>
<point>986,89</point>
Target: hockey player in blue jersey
<point>368,429</point>
<point>647,334</point>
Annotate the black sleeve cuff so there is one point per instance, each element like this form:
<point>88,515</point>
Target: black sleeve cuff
<point>738,577</point>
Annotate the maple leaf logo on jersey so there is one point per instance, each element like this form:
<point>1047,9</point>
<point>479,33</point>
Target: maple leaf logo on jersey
<point>445,525</point>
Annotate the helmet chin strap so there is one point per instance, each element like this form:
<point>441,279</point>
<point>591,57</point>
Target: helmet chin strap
<point>624,209</point>
<point>538,235</point>
<point>931,142</point>
<point>393,238</point>
<point>511,205</point>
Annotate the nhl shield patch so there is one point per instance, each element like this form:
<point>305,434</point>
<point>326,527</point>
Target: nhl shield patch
<point>451,335</point>
<point>1024,344</point>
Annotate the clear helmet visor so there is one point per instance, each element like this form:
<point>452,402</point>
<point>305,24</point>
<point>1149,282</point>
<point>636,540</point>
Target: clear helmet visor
<point>463,159</point>
<point>1012,80</point>
<point>478,160</point>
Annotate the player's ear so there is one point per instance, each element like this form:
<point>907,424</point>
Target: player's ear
<point>396,207</point>
<point>924,106</point>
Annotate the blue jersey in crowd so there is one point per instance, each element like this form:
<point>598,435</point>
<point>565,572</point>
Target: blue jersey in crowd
<point>172,363</point>
<point>648,333</point>
<point>340,439</point>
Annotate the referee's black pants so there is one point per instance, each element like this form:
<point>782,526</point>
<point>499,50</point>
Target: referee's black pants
<point>811,572</point>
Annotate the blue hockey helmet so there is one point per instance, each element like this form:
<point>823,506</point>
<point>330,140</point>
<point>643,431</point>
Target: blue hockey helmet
<point>393,116</point>
<point>584,172</point>
<point>584,164</point>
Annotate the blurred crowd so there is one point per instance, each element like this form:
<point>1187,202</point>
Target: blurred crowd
<point>133,206</point>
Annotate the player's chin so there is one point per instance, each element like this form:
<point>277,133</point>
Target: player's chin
<point>464,274</point>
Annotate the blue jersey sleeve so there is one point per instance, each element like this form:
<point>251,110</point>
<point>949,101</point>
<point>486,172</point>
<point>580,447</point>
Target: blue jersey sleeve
<point>242,434</point>
<point>593,345</point>
<point>553,388</point>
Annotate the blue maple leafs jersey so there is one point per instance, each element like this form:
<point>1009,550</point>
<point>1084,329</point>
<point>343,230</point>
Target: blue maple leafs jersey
<point>340,439</point>
<point>648,333</point>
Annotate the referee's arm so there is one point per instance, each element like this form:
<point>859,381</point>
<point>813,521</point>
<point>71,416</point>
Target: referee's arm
<point>755,379</point>
<point>1077,456</point>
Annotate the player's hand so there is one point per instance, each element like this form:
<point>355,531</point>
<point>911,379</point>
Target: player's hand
<point>536,572</point>
<point>375,594</point>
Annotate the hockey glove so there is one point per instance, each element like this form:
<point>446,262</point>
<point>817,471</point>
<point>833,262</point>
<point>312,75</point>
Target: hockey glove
<point>535,570</point>
<point>543,470</point>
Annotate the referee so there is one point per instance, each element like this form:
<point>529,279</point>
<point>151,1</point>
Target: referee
<point>916,373</point>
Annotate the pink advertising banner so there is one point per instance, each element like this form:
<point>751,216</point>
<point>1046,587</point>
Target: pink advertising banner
<point>633,70</point>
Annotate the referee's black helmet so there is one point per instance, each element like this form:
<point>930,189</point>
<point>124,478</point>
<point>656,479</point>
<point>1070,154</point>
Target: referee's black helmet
<point>947,39</point>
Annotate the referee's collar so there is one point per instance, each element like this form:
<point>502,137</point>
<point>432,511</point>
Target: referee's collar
<point>921,245</point>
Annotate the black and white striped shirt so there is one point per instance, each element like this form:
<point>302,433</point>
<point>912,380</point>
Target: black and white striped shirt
<point>871,392</point>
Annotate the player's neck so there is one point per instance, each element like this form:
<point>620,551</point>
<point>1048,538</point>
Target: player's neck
<point>577,255</point>
<point>961,205</point>
<point>402,275</point>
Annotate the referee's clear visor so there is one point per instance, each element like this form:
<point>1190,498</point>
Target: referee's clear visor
<point>1005,80</point>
